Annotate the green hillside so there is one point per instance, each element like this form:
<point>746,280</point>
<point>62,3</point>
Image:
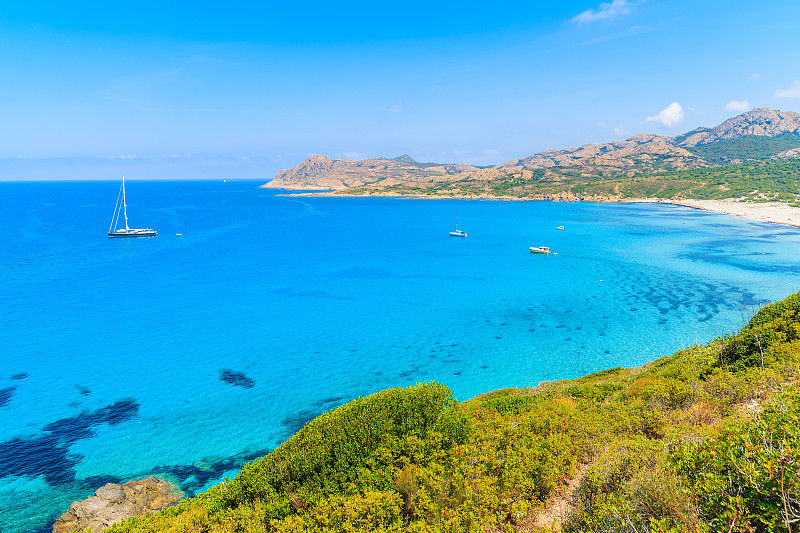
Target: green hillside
<point>747,147</point>
<point>707,439</point>
<point>754,181</point>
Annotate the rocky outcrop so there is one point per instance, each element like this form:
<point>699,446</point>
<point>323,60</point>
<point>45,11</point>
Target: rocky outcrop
<point>322,173</point>
<point>759,121</point>
<point>640,153</point>
<point>113,503</point>
<point>787,154</point>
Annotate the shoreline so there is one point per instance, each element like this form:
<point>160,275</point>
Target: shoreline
<point>770,212</point>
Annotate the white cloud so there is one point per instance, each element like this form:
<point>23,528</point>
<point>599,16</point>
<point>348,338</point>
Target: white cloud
<point>397,108</point>
<point>352,155</point>
<point>738,105</point>
<point>124,157</point>
<point>605,10</point>
<point>792,92</point>
<point>755,76</point>
<point>670,116</point>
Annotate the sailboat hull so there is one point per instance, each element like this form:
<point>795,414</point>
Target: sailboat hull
<point>133,233</point>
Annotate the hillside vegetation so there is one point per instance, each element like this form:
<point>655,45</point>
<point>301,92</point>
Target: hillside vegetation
<point>748,147</point>
<point>707,439</point>
<point>752,181</point>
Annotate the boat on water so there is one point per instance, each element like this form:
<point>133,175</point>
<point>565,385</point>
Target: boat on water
<point>457,232</point>
<point>122,208</point>
<point>540,250</point>
<point>560,227</point>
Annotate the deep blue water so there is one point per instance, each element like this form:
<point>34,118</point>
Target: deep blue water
<point>185,355</point>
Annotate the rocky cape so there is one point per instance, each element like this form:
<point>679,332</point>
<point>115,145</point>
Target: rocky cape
<point>113,503</point>
<point>319,172</point>
<point>638,155</point>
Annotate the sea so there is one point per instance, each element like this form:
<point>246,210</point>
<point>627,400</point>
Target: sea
<point>187,354</point>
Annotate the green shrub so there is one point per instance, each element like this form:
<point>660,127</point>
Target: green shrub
<point>345,450</point>
<point>748,477</point>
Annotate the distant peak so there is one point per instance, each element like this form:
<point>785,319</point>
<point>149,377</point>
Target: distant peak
<point>405,158</point>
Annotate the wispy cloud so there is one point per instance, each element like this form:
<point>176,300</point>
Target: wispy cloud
<point>352,155</point>
<point>627,32</point>
<point>618,130</point>
<point>397,108</point>
<point>793,91</point>
<point>755,76</point>
<point>605,10</point>
<point>123,157</point>
<point>738,105</point>
<point>670,116</point>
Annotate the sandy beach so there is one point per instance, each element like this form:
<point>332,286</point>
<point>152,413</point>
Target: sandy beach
<point>773,212</point>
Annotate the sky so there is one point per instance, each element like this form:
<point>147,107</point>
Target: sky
<point>241,90</point>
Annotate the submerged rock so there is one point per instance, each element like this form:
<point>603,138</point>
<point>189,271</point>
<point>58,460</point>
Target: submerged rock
<point>113,503</point>
<point>237,379</point>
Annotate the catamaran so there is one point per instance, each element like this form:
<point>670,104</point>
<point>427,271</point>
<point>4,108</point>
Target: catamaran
<point>122,207</point>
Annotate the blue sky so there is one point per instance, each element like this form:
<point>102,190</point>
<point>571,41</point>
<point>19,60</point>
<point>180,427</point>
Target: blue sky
<point>95,90</point>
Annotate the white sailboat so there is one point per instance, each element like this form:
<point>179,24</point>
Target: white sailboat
<point>457,232</point>
<point>122,207</point>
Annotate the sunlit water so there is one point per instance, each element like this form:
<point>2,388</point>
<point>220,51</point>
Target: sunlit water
<point>112,350</point>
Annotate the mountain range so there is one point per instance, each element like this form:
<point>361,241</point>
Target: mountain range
<point>759,135</point>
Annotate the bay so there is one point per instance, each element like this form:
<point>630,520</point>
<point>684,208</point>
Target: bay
<point>250,313</point>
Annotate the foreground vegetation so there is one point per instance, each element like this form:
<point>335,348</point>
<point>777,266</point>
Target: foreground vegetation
<point>707,439</point>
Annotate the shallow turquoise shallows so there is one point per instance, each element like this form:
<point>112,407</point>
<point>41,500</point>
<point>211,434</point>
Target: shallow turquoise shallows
<point>185,355</point>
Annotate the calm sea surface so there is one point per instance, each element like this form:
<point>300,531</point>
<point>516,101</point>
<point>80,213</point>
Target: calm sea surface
<point>186,355</point>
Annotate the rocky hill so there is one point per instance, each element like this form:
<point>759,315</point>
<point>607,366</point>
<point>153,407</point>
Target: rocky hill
<point>760,121</point>
<point>636,155</point>
<point>759,134</point>
<point>319,172</point>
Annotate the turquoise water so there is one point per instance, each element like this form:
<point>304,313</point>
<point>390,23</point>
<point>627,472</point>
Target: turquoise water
<point>186,355</point>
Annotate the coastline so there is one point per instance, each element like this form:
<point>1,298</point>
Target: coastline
<point>771,212</point>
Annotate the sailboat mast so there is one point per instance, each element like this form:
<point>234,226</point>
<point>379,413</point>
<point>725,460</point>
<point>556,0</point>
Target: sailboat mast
<point>124,205</point>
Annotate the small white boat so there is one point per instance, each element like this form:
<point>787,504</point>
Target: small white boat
<point>457,232</point>
<point>561,227</point>
<point>540,250</point>
<point>122,207</point>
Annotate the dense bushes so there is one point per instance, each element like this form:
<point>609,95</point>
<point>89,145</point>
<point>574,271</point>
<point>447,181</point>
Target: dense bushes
<point>349,449</point>
<point>749,477</point>
<point>770,338</point>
